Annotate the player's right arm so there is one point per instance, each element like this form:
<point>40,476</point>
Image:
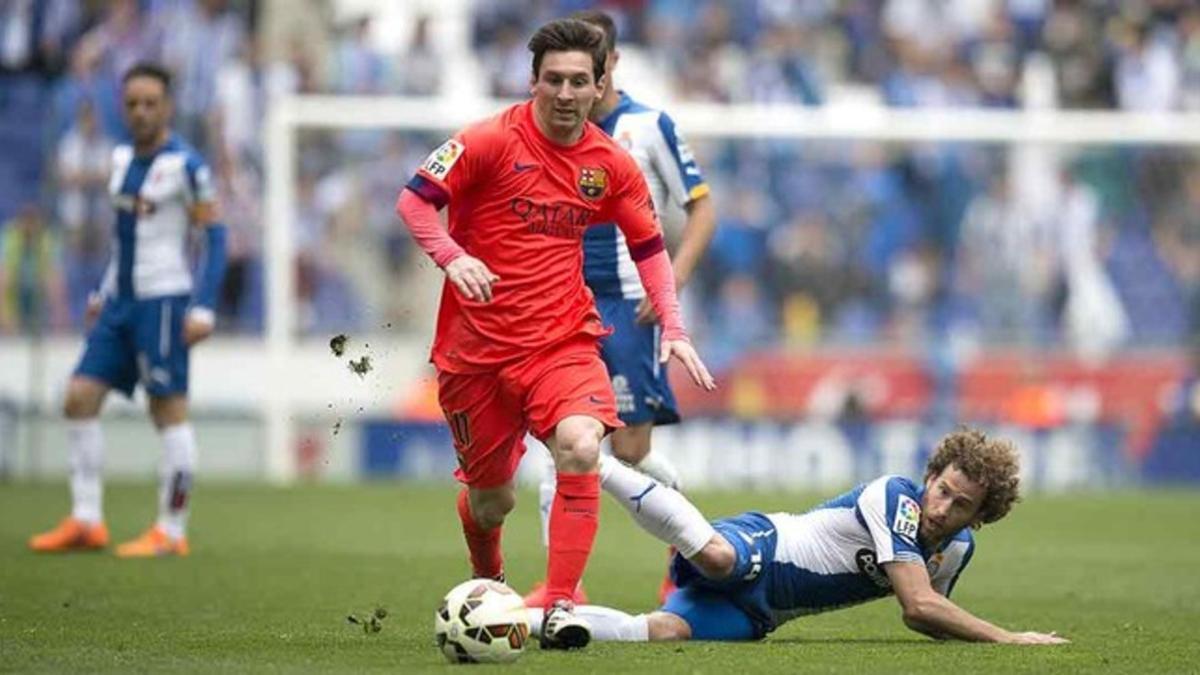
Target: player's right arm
<point>449,168</point>
<point>927,611</point>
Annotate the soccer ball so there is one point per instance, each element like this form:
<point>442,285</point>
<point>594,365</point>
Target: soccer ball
<point>481,621</point>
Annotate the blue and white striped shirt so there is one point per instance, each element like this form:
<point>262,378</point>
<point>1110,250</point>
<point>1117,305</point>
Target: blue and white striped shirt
<point>674,180</point>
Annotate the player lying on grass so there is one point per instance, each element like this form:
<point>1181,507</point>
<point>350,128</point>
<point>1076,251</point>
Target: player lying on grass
<point>742,577</point>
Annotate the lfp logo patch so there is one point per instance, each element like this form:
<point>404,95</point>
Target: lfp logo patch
<point>592,182</point>
<point>442,160</point>
<point>908,517</point>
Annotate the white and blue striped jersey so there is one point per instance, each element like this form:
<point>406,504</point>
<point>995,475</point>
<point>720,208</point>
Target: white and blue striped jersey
<point>153,196</point>
<point>674,180</point>
<point>791,565</point>
<point>832,556</point>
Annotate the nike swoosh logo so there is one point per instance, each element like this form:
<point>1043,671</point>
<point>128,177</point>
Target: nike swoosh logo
<point>518,167</point>
<point>595,399</point>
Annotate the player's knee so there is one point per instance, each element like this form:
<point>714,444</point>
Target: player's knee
<point>491,508</point>
<point>717,559</point>
<point>665,626</point>
<point>168,411</point>
<point>82,400</point>
<point>631,444</point>
<point>578,447</point>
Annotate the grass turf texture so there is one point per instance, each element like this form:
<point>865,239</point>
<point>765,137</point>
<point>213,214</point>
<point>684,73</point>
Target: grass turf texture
<point>274,573</point>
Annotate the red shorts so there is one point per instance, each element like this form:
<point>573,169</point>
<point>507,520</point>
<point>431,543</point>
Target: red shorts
<point>490,413</point>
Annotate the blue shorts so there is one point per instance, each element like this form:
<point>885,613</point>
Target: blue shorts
<point>734,608</point>
<point>139,341</point>
<point>630,353</point>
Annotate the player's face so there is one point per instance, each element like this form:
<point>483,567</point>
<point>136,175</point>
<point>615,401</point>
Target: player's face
<point>564,92</point>
<point>147,109</point>
<point>951,503</point>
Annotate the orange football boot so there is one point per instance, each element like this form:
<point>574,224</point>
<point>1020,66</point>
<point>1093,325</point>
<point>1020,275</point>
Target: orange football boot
<point>536,597</point>
<point>153,543</point>
<point>71,534</point>
<point>667,587</point>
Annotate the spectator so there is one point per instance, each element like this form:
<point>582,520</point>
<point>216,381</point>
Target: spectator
<point>200,37</point>
<point>357,68</point>
<point>1147,75</point>
<point>31,289</point>
<point>84,155</point>
<point>84,207</point>
<point>419,71</point>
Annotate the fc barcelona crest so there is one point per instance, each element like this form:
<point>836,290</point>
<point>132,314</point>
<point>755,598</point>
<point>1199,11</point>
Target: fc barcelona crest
<point>592,182</point>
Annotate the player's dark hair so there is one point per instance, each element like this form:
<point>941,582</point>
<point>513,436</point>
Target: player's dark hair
<point>602,21</point>
<point>990,462</point>
<point>151,70</point>
<point>569,35</point>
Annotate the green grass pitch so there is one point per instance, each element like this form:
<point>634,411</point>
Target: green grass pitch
<point>274,573</point>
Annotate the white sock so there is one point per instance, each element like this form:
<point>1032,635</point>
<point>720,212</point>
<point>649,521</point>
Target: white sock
<point>175,478</point>
<point>546,489</point>
<point>657,509</point>
<point>661,469</point>
<point>85,447</point>
<point>608,625</point>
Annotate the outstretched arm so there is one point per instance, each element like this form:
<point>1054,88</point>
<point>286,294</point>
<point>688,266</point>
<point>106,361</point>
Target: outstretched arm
<point>928,612</point>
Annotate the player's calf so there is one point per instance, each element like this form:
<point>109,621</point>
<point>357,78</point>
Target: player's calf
<point>665,626</point>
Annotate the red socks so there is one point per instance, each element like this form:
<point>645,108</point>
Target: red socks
<point>486,559</point>
<point>574,518</point>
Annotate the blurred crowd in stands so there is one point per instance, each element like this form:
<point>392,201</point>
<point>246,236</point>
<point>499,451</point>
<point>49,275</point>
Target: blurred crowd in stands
<point>946,244</point>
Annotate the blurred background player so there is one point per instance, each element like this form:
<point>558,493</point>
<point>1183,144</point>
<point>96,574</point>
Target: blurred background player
<point>147,315</point>
<point>517,332</point>
<point>742,577</point>
<point>643,393</point>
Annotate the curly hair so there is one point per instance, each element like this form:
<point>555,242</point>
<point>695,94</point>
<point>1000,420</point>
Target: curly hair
<point>990,462</point>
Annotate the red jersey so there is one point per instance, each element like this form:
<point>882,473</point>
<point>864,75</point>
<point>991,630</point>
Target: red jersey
<point>521,203</point>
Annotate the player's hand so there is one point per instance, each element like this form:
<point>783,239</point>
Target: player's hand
<point>472,278</point>
<point>94,304</point>
<point>683,350</point>
<point>645,312</point>
<point>197,326</point>
<point>1034,638</point>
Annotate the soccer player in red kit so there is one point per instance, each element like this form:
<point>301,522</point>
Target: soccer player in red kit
<point>516,345</point>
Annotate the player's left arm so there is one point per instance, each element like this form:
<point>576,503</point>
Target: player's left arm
<point>633,211</point>
<point>205,214</point>
<point>676,165</point>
